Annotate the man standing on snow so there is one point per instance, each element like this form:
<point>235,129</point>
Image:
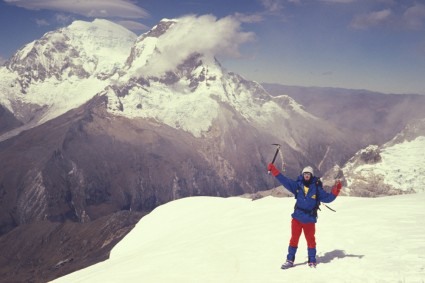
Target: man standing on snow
<point>308,192</point>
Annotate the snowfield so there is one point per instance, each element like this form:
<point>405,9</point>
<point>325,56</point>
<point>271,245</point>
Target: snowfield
<point>208,239</point>
<point>401,166</point>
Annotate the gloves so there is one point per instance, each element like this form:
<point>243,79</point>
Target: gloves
<point>272,169</point>
<point>336,188</point>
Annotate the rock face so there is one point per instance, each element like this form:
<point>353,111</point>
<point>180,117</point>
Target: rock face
<point>89,163</point>
<point>8,120</point>
<point>42,251</point>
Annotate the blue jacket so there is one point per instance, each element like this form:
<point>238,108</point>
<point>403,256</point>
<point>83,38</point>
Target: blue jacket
<point>306,203</point>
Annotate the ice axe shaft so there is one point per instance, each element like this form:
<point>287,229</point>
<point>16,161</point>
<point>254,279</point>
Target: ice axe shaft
<point>275,154</point>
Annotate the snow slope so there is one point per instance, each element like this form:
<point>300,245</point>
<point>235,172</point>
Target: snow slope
<point>207,239</point>
<point>400,166</point>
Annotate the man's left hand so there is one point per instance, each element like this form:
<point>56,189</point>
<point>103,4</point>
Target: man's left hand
<point>337,188</point>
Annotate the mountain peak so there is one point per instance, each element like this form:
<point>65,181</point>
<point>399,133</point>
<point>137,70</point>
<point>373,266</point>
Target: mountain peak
<point>161,28</point>
<point>80,50</point>
<point>64,69</point>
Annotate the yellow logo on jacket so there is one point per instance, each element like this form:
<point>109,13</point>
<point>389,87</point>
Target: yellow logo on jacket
<point>305,190</point>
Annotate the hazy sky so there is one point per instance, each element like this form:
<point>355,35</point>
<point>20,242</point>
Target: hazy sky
<point>363,44</point>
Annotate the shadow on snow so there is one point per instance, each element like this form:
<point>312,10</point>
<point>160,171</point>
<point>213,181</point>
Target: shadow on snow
<point>329,256</point>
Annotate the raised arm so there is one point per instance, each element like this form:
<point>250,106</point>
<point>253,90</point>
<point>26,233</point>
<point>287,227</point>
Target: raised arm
<point>289,184</point>
<point>329,197</point>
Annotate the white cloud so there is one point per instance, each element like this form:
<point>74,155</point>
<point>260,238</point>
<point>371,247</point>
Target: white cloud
<point>414,17</point>
<point>205,34</point>
<point>2,60</point>
<point>253,18</point>
<point>93,8</point>
<point>41,22</point>
<point>365,21</point>
<point>64,19</point>
<point>273,6</point>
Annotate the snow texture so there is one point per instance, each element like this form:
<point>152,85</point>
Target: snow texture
<point>400,166</point>
<point>208,239</point>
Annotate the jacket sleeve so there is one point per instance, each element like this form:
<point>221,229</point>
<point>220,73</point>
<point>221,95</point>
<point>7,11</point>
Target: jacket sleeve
<point>324,196</point>
<point>289,184</point>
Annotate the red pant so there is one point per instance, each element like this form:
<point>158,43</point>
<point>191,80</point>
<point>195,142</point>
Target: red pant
<point>309,231</point>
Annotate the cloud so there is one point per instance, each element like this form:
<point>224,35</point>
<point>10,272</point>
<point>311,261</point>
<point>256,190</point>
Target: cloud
<point>253,18</point>
<point>272,6</point>
<point>2,60</point>
<point>400,17</point>
<point>89,8</point>
<point>414,17</point>
<point>365,21</point>
<point>205,34</point>
<point>41,22</point>
<point>64,19</point>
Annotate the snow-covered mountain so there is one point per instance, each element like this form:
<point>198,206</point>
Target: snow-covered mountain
<point>392,168</point>
<point>63,69</point>
<point>141,78</point>
<point>189,95</point>
<point>73,64</point>
<point>373,118</point>
<point>98,124</point>
<point>238,240</point>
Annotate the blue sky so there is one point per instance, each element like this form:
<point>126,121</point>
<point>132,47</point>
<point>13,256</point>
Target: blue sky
<point>377,45</point>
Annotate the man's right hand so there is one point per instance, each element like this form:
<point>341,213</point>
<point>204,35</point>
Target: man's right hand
<point>272,169</point>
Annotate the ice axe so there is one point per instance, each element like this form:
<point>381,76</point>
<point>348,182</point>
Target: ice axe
<point>275,154</point>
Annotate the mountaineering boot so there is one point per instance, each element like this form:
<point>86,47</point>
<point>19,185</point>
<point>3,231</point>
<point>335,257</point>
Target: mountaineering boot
<point>290,258</point>
<point>287,264</point>
<point>312,257</point>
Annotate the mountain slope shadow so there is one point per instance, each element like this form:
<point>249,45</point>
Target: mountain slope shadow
<point>329,256</point>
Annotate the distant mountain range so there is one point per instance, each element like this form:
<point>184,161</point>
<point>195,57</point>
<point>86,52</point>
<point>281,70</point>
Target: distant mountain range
<point>96,123</point>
